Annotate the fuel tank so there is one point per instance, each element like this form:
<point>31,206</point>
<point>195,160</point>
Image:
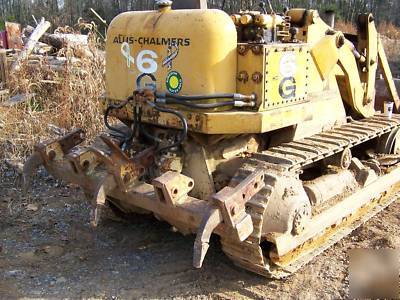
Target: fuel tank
<point>175,51</point>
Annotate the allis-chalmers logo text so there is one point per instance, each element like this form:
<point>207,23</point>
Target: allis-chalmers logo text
<point>120,39</point>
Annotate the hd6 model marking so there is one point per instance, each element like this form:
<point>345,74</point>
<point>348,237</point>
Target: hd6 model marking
<point>261,128</point>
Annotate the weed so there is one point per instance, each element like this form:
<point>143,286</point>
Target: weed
<point>65,96</point>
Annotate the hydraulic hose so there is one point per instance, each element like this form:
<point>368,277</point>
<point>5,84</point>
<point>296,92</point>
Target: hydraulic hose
<point>184,133</point>
<point>196,105</point>
<point>111,107</point>
<point>134,129</point>
<point>167,98</point>
<point>143,130</point>
<point>238,97</point>
<point>137,125</point>
<point>156,140</point>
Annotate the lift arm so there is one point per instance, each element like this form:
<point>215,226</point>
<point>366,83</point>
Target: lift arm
<point>387,75</point>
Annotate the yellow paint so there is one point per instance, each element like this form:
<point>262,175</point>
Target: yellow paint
<point>371,46</point>
<point>174,82</point>
<point>351,85</point>
<point>323,104</point>
<point>279,67</point>
<point>326,54</point>
<point>283,67</point>
<point>287,76</point>
<point>268,21</point>
<point>291,81</point>
<point>206,59</point>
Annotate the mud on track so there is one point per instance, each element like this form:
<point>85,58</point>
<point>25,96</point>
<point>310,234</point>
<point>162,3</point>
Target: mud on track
<point>48,249</point>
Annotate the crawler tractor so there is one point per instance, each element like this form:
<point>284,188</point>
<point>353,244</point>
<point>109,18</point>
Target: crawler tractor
<point>261,127</point>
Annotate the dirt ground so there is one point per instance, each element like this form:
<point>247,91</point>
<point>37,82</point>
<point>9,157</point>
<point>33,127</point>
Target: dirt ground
<point>48,250</point>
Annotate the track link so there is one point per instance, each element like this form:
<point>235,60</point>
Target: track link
<point>291,157</point>
<point>299,154</point>
<point>249,253</point>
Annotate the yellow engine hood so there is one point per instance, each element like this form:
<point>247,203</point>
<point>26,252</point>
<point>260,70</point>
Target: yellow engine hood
<point>178,51</point>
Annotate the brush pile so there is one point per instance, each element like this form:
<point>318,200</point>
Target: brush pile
<point>49,85</point>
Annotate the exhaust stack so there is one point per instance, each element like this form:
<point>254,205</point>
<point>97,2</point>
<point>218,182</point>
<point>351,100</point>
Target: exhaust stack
<point>329,17</point>
<point>189,4</point>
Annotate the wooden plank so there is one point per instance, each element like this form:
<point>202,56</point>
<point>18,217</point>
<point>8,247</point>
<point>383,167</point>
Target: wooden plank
<point>42,27</point>
<point>14,40</point>
<point>3,69</point>
<point>60,40</point>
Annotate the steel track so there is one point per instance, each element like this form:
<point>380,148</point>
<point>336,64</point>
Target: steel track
<point>291,157</point>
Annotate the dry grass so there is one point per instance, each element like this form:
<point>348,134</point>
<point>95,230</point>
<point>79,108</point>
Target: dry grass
<point>390,36</point>
<point>66,99</point>
<point>391,41</point>
<point>389,30</point>
<point>346,27</point>
<point>392,49</point>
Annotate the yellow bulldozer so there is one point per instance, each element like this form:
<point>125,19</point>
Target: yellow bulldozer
<point>261,127</point>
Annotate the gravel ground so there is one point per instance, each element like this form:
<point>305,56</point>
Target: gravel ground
<point>48,250</point>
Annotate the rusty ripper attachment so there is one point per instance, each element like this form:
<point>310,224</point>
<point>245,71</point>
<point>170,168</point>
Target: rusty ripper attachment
<point>107,171</point>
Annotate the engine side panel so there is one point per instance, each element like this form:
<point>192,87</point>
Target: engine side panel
<point>277,73</point>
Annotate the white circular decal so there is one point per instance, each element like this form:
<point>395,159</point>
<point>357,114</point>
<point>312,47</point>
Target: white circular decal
<point>288,66</point>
